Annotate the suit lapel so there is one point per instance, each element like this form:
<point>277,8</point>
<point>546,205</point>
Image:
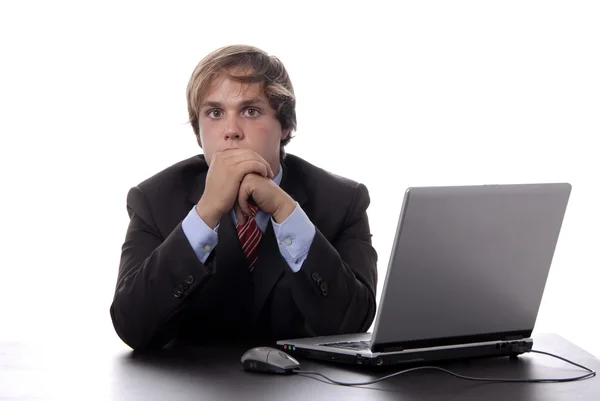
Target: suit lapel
<point>231,285</point>
<point>269,267</point>
<point>292,182</point>
<point>229,250</point>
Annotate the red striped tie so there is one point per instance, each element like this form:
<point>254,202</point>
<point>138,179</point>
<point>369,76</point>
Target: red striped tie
<point>250,237</point>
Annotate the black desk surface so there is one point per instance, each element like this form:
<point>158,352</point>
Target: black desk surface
<point>43,372</point>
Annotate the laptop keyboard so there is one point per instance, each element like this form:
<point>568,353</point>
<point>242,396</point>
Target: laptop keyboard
<point>356,345</point>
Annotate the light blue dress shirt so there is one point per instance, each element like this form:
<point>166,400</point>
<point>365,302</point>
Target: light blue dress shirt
<point>294,235</point>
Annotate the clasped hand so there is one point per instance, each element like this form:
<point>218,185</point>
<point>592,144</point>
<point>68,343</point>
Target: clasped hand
<point>235,178</point>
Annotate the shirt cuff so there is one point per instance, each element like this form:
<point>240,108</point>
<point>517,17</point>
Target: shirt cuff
<point>294,237</point>
<point>201,237</point>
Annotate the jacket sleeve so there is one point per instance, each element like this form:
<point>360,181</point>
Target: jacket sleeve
<point>156,274</point>
<point>335,289</point>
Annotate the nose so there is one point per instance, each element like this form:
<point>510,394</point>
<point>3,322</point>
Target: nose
<point>233,130</point>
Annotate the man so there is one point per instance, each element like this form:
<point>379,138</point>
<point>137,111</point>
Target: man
<point>244,242</point>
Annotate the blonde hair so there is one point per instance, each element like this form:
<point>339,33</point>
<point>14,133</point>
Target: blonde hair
<point>253,65</point>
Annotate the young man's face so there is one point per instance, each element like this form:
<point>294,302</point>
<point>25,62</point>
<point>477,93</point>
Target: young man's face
<point>238,115</point>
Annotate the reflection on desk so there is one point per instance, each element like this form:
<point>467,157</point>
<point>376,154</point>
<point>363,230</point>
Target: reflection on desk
<point>215,373</point>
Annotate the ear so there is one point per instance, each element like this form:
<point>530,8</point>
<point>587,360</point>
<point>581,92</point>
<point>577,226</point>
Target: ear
<point>284,134</point>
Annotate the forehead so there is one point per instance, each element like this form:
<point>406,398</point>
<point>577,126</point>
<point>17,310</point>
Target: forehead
<point>224,88</point>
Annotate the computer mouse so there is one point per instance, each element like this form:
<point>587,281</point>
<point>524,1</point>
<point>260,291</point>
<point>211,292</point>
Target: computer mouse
<point>268,360</point>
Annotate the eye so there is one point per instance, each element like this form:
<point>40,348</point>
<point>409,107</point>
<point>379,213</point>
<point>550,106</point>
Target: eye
<point>214,113</point>
<point>252,112</point>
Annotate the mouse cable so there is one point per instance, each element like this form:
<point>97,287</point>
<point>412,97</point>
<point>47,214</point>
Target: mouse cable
<point>591,373</point>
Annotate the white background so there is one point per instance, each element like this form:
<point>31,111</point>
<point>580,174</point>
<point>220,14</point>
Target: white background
<point>92,101</point>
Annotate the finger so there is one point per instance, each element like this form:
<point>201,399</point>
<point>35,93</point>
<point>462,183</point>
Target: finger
<point>251,166</point>
<point>241,217</point>
<point>243,200</point>
<point>238,156</point>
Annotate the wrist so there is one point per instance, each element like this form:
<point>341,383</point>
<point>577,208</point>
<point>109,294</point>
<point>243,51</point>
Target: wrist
<point>284,209</point>
<point>208,215</point>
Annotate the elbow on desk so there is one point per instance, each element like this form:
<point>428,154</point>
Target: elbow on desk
<point>125,329</point>
<point>132,331</point>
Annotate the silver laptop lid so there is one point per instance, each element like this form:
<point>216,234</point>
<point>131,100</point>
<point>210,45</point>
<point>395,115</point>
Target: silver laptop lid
<point>468,264</point>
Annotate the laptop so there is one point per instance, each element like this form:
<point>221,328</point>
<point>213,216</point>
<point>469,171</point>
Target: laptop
<point>465,278</point>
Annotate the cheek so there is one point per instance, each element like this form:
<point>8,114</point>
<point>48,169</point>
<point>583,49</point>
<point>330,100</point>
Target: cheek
<point>270,130</point>
<point>208,131</point>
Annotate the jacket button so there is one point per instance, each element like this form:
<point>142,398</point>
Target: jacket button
<point>323,287</point>
<point>315,277</point>
<point>176,294</point>
<point>190,279</point>
<point>179,289</point>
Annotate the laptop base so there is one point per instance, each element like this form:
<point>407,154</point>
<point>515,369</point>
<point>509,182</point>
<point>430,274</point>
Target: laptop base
<point>499,349</point>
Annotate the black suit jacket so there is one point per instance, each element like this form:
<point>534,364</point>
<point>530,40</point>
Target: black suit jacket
<point>164,292</point>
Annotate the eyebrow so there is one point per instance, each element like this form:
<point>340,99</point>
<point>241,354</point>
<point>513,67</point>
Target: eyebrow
<point>245,103</point>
